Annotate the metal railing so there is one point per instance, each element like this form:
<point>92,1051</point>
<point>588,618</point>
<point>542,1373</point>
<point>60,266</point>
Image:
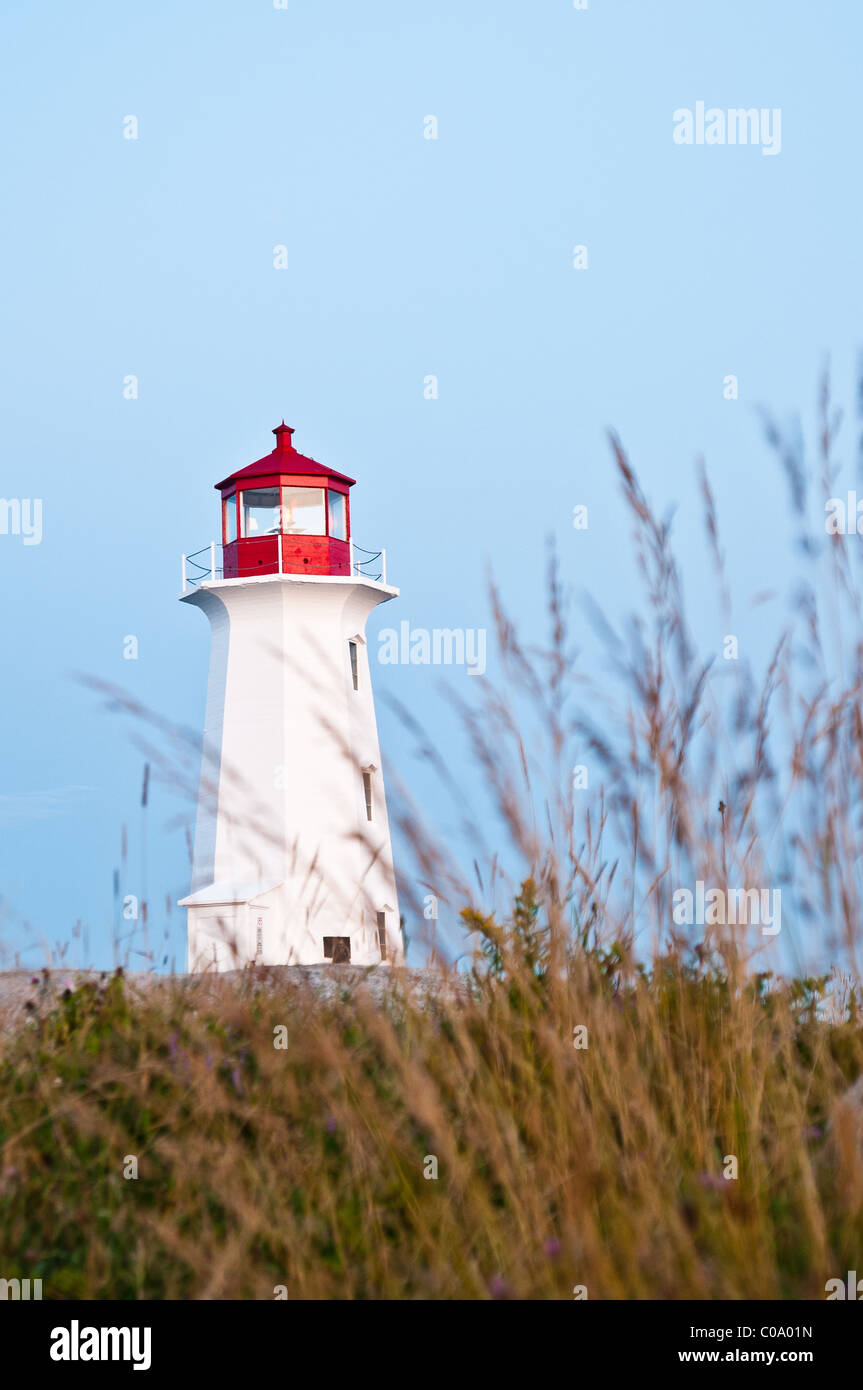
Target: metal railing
<point>372,566</point>
<point>195,572</point>
<point>206,565</point>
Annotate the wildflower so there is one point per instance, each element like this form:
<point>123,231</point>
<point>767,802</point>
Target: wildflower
<point>498,1287</point>
<point>712,1182</point>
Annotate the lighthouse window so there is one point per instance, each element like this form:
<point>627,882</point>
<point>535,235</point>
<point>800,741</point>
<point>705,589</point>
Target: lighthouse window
<point>338,516</point>
<point>231,519</point>
<point>367,788</point>
<point>382,934</point>
<point>355,675</point>
<point>303,511</point>
<point>260,512</point>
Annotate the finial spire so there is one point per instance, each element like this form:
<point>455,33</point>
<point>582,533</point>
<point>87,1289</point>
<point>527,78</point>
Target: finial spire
<point>283,434</point>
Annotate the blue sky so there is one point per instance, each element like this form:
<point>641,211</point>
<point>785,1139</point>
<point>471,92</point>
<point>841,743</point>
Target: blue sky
<point>407,257</point>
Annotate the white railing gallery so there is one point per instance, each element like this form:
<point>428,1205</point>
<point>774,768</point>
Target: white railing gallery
<point>374,560</point>
<point>206,565</point>
<point>201,573</point>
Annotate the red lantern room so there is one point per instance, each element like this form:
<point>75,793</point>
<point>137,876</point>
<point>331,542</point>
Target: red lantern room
<point>285,514</point>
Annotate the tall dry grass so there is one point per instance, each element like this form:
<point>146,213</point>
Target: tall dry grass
<point>305,1167</point>
<point>564,1115</point>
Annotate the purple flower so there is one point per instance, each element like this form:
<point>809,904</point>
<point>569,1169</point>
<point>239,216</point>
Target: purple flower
<point>498,1287</point>
<point>235,1077</point>
<point>172,1044</point>
<point>552,1247</point>
<point>712,1182</point>
<point>331,1124</point>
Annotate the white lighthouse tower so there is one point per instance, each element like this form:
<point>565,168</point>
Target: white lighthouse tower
<point>293,862</point>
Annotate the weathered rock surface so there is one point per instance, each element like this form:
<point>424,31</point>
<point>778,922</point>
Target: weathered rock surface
<point>20,987</point>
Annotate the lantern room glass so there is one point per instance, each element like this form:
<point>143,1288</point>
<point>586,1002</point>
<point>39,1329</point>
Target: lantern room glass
<point>338,515</point>
<point>230,518</point>
<point>259,511</point>
<point>303,512</point>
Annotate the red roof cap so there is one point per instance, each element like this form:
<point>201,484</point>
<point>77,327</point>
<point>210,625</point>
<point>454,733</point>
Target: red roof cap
<point>285,459</point>
<point>283,434</point>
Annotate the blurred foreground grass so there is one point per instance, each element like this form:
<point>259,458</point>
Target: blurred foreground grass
<point>558,1165</point>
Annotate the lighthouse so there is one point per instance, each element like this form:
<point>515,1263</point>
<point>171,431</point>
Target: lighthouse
<point>292,858</point>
